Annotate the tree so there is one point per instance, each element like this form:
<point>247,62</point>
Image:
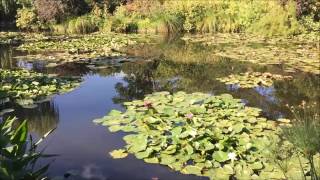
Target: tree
<point>59,10</point>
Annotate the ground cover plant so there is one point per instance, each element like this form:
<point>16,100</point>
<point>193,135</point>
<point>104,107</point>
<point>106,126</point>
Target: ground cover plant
<point>253,79</point>
<point>204,135</point>
<point>27,87</point>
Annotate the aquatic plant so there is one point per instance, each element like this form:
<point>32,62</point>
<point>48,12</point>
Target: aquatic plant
<point>293,54</point>
<point>253,79</point>
<point>305,134</point>
<point>26,87</point>
<point>18,154</point>
<point>87,47</point>
<point>200,134</point>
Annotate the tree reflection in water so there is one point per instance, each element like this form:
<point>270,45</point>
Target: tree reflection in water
<point>40,119</point>
<point>168,73</point>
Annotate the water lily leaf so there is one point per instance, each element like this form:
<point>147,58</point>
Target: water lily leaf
<point>115,128</point>
<point>238,127</point>
<point>220,156</point>
<point>256,165</point>
<point>167,159</point>
<point>152,160</point>
<point>118,154</point>
<point>139,144</point>
<point>189,169</point>
<point>144,154</point>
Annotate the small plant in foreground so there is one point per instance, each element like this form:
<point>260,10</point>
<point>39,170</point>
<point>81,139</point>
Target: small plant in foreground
<point>305,133</point>
<point>18,156</point>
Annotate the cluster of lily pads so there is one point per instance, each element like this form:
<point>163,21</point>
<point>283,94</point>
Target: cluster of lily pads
<point>253,79</point>
<point>85,47</point>
<point>19,37</point>
<point>200,134</point>
<point>293,53</point>
<point>27,87</point>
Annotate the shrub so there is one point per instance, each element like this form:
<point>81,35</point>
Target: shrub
<point>168,22</point>
<point>106,25</point>
<point>27,19</point>
<point>59,10</point>
<point>122,21</point>
<point>59,28</point>
<point>278,21</point>
<point>83,25</point>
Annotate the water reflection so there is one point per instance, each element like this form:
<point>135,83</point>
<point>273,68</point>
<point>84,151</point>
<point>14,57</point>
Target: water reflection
<point>6,57</point>
<point>41,119</point>
<point>141,79</point>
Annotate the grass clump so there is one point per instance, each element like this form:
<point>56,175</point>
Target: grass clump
<point>305,134</point>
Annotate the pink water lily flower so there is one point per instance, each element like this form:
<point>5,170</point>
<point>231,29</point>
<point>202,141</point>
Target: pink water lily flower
<point>189,116</point>
<point>147,104</point>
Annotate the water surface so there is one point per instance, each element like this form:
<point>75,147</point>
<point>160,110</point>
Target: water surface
<point>83,146</point>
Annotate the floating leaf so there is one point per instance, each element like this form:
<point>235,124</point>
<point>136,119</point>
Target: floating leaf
<point>119,154</point>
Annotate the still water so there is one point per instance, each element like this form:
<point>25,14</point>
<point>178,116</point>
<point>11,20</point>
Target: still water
<point>82,147</point>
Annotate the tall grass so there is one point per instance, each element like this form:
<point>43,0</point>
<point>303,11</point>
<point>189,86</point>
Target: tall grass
<point>168,22</point>
<point>278,21</point>
<point>305,134</point>
<point>80,25</point>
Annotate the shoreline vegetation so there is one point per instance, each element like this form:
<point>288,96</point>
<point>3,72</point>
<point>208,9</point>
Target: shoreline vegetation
<point>268,18</point>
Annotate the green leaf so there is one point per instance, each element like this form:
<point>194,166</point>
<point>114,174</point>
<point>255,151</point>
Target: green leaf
<point>189,169</point>
<point>220,156</point>
<point>21,133</point>
<point>118,154</point>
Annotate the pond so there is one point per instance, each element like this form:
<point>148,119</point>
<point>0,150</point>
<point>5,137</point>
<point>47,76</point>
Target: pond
<point>82,146</point>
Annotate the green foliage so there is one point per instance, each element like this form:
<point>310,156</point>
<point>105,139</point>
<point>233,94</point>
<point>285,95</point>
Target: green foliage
<point>122,21</point>
<point>83,25</point>
<point>278,21</point>
<point>305,133</point>
<point>168,22</point>
<point>27,19</point>
<point>262,17</point>
<point>18,156</point>
<point>198,134</point>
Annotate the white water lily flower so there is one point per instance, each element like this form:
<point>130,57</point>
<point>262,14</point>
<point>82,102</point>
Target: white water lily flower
<point>232,156</point>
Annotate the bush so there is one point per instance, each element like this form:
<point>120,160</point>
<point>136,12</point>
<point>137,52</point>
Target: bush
<point>27,19</point>
<point>123,21</point>
<point>59,28</point>
<point>106,25</point>
<point>58,10</point>
<point>278,21</point>
<point>82,25</point>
